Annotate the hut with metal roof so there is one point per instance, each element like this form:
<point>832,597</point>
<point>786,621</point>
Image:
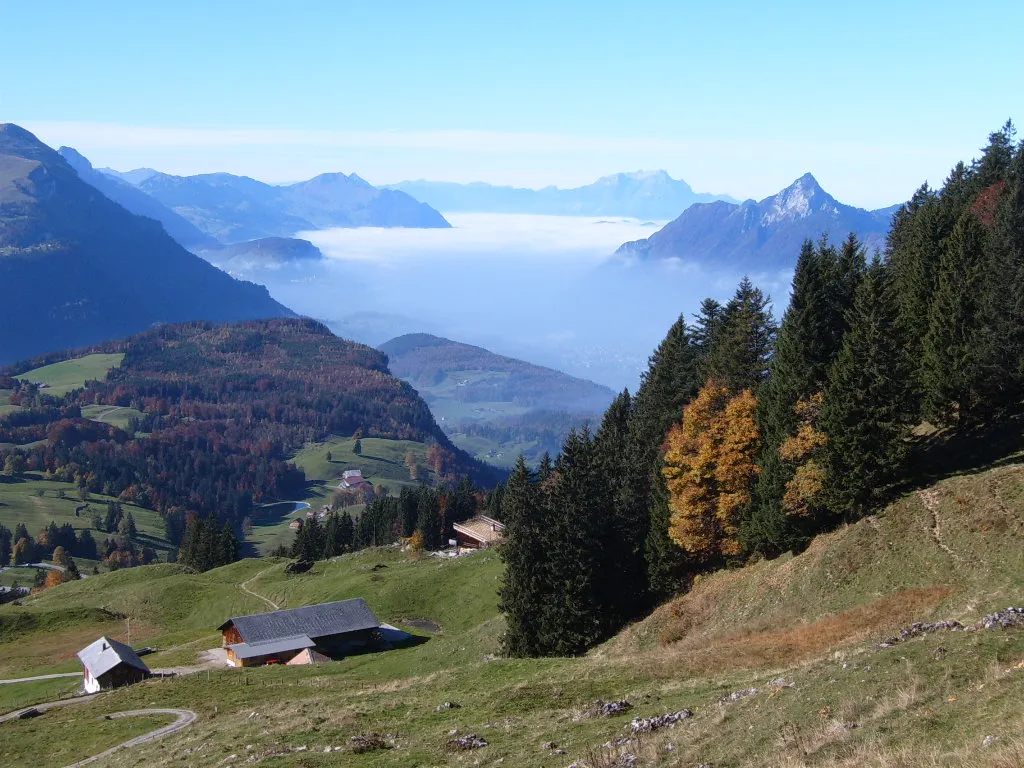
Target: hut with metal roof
<point>313,632</point>
<point>109,664</point>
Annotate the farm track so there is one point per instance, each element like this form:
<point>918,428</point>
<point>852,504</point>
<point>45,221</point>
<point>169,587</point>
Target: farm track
<point>185,717</point>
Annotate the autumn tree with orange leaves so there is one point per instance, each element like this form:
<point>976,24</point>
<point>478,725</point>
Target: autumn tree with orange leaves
<point>709,470</point>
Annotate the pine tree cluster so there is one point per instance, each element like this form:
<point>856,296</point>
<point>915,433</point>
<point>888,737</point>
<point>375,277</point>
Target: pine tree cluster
<point>746,439</point>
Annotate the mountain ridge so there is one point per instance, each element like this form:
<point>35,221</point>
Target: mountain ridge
<point>640,194</point>
<point>766,233</point>
<point>77,268</point>
<point>230,208</point>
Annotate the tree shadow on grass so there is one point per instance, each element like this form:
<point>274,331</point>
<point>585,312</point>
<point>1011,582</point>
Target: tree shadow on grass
<point>948,453</point>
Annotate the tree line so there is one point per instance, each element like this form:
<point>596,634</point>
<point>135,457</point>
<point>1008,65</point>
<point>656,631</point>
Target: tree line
<point>748,437</point>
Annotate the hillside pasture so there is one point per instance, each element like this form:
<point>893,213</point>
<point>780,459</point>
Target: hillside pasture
<point>5,402</point>
<point>115,415</point>
<point>68,375</point>
<point>35,502</point>
<point>382,462</point>
<point>781,663</point>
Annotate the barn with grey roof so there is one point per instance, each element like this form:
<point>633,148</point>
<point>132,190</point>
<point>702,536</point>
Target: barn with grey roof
<point>300,635</point>
<point>110,664</point>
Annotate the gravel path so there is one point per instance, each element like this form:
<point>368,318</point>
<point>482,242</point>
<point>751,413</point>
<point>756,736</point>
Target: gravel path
<point>40,677</point>
<point>185,717</point>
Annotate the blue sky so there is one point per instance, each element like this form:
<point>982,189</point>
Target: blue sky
<point>871,97</point>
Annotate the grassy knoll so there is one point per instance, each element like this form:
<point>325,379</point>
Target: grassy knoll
<point>79,738</point>
<point>798,636</point>
<point>115,415</point>
<point>5,402</point>
<point>19,695</point>
<point>35,502</point>
<point>63,377</point>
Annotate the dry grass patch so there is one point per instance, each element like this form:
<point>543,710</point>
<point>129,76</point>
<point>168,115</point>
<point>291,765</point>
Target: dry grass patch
<point>765,644</point>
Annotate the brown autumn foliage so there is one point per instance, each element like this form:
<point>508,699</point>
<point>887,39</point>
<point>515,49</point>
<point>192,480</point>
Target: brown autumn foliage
<point>800,450</point>
<point>709,470</point>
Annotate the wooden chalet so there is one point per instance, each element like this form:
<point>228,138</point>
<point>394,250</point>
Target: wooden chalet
<point>480,532</point>
<point>109,664</point>
<point>352,479</point>
<point>304,635</point>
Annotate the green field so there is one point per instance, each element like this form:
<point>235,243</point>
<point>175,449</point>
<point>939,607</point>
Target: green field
<point>5,402</point>
<point>114,415</point>
<point>63,377</point>
<point>34,502</point>
<point>797,639</point>
<point>382,462</point>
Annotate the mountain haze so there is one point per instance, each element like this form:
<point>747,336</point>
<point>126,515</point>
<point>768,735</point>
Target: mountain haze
<point>766,234</point>
<point>77,268</point>
<point>642,194</point>
<point>136,201</point>
<point>232,208</point>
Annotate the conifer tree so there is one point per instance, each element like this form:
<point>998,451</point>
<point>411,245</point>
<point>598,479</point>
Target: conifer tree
<point>670,382</point>
<point>744,341</point>
<point>866,408</point>
<point>5,546</point>
<point>950,369</point>
<point>709,472</point>
<point>574,617</point>
<point>812,329</point>
<point>625,587</point>
<point>526,586</point>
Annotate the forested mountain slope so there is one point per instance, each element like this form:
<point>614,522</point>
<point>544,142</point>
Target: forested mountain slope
<point>220,411</point>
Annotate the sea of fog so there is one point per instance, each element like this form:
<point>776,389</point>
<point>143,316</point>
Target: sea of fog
<point>541,288</point>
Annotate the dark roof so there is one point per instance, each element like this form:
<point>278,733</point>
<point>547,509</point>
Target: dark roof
<point>105,654</point>
<point>312,620</point>
<point>251,650</point>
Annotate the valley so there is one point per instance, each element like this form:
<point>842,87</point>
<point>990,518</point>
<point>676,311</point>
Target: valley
<point>362,405</point>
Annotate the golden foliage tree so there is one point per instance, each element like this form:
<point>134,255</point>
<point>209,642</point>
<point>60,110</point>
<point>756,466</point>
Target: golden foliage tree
<point>709,470</point>
<point>801,450</point>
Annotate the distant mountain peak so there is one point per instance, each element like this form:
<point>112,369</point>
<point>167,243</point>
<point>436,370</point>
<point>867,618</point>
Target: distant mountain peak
<point>75,158</point>
<point>799,200</point>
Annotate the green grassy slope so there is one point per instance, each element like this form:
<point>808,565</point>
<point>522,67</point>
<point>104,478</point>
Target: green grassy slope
<point>65,376</point>
<point>5,402</point>
<point>34,502</point>
<point>382,462</point>
<point>801,632</point>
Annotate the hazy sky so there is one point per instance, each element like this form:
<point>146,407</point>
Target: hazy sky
<point>740,97</point>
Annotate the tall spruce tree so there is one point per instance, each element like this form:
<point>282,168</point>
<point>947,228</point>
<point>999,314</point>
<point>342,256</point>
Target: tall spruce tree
<point>526,586</point>
<point>812,330</point>
<point>866,410</point>
<point>951,374</point>
<point>670,382</point>
<point>624,573</point>
<point>743,344</point>
<point>574,616</point>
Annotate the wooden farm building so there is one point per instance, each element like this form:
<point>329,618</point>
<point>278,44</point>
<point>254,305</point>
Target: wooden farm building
<point>480,532</point>
<point>109,664</point>
<point>300,635</point>
<point>352,479</point>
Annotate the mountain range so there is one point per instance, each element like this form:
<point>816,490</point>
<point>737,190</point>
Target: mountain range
<point>642,194</point>
<point>231,209</point>
<point>761,235</point>
<point>77,268</point>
